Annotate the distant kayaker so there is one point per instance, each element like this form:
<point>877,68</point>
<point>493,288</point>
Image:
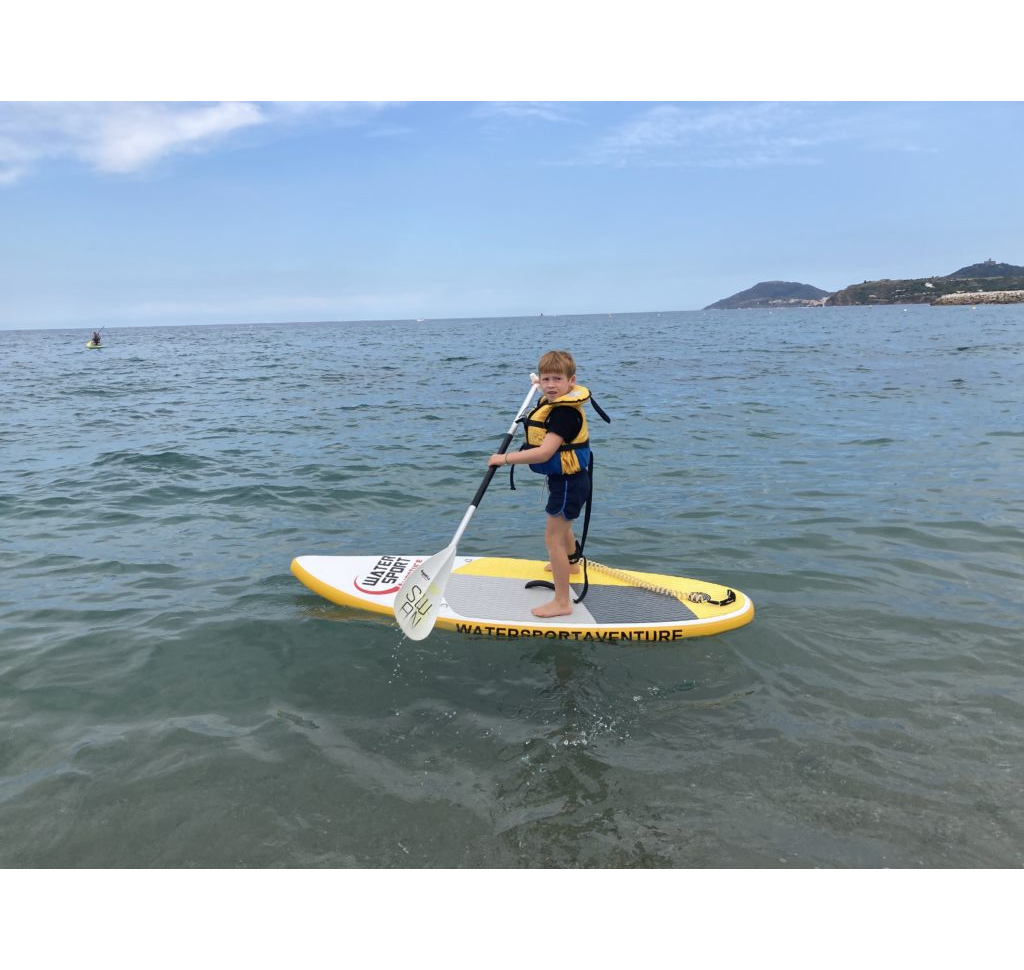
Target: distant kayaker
<point>96,336</point>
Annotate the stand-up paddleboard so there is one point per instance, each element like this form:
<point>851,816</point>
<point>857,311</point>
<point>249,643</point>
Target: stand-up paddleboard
<point>487,596</point>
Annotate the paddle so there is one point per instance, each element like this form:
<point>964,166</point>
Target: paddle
<point>422,592</point>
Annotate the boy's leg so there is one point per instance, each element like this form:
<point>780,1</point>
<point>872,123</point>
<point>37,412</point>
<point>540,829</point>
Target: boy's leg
<point>568,498</point>
<point>570,548</point>
<point>555,538</point>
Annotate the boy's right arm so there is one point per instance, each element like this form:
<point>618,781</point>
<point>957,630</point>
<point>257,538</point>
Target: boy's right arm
<point>529,456</point>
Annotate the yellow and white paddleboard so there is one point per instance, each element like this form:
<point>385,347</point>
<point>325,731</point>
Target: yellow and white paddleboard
<point>487,596</point>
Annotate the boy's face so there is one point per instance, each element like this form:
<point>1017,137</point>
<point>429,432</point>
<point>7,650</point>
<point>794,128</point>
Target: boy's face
<point>555,385</point>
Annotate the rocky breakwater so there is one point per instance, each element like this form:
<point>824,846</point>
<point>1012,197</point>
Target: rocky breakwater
<point>969,299</point>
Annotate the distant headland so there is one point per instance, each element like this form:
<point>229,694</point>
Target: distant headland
<point>986,282</point>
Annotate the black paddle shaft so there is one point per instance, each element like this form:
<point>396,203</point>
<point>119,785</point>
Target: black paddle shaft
<point>502,448</point>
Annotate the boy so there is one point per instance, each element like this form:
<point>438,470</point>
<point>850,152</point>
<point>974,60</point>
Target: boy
<point>557,445</point>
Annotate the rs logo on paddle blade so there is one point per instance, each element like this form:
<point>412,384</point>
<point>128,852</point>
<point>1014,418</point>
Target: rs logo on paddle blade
<point>416,604</point>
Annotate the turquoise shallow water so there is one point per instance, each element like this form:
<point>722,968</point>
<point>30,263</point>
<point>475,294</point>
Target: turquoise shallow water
<point>171,696</point>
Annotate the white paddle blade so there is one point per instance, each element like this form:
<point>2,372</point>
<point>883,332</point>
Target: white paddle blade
<point>418,601</point>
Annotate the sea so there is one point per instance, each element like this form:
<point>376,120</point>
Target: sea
<point>171,696</point>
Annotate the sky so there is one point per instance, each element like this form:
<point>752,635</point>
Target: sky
<point>210,212</point>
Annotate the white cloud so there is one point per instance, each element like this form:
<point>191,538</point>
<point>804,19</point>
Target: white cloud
<point>350,109</point>
<point>135,136</point>
<point>530,110</point>
<point>742,135</point>
<point>125,137</point>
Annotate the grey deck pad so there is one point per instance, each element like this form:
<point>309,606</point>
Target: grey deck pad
<point>504,600</point>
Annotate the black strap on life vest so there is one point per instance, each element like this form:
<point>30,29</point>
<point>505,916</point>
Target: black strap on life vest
<point>582,541</point>
<point>564,446</point>
<point>600,411</point>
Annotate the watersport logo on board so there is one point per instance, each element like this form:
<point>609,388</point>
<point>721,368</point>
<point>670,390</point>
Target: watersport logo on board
<point>384,577</point>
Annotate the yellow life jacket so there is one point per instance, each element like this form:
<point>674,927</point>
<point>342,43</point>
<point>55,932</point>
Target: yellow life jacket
<point>572,456</point>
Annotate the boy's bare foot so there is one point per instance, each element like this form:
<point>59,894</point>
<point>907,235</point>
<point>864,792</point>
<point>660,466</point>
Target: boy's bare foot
<point>574,569</point>
<point>554,608</point>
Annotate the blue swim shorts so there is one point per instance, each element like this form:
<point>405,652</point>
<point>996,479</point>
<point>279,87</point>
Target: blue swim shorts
<point>567,494</point>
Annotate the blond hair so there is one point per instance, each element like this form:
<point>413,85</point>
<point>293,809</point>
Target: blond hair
<point>557,362</point>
